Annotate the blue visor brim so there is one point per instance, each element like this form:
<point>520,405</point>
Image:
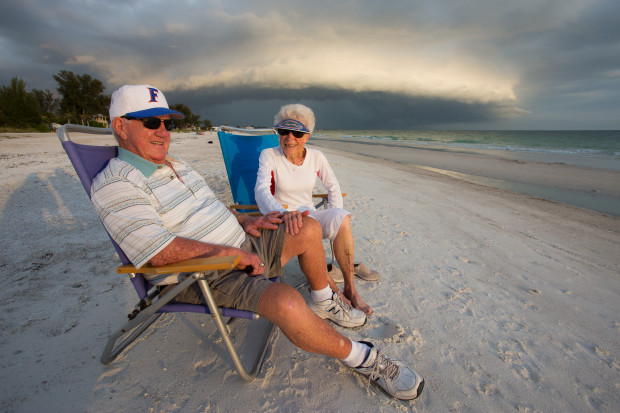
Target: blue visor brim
<point>292,124</point>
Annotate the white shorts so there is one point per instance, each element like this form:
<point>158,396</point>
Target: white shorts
<point>330,220</point>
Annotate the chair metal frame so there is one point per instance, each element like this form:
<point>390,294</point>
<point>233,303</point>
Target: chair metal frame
<point>153,301</point>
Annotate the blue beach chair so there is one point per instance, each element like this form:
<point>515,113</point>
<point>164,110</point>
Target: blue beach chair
<point>241,149</point>
<point>88,160</point>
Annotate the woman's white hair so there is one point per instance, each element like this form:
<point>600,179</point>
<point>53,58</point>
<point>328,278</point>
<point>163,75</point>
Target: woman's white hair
<point>298,112</point>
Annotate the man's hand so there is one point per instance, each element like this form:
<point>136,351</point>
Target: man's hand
<point>250,263</point>
<point>251,225</point>
<point>293,221</point>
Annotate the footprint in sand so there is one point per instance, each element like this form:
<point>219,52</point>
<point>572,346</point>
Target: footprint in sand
<point>376,241</point>
<point>387,331</point>
<point>462,259</point>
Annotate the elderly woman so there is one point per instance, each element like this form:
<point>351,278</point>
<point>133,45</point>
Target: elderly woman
<point>292,169</point>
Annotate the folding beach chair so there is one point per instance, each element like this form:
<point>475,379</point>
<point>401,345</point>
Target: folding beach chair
<point>241,149</point>
<point>88,161</point>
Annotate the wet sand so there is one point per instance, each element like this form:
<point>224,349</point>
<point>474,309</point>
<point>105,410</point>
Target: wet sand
<point>562,178</point>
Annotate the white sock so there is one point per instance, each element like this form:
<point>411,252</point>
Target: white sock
<point>321,295</point>
<point>358,354</point>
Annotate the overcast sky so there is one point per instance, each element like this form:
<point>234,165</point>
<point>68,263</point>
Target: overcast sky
<point>395,64</point>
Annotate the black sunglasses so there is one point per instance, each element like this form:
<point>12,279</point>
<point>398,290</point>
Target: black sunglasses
<point>296,133</point>
<point>153,123</point>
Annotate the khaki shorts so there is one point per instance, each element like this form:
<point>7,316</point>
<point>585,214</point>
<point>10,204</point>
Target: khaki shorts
<point>236,289</point>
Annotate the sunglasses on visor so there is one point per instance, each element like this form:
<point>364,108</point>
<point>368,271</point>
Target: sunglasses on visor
<point>153,123</point>
<point>296,133</point>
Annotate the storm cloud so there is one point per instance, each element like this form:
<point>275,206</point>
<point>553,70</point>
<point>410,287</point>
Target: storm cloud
<point>533,64</point>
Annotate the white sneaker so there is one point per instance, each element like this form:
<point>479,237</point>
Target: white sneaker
<point>392,376</point>
<point>338,311</point>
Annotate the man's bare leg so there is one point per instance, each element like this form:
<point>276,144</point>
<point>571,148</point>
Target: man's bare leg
<point>284,306</point>
<point>307,245</point>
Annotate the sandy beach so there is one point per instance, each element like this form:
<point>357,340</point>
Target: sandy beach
<point>503,302</point>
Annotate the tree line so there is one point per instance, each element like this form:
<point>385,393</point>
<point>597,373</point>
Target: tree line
<point>81,100</point>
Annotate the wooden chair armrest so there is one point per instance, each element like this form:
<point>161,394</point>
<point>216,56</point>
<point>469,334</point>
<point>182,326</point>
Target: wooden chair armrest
<point>192,265</point>
<point>250,207</point>
<point>324,195</point>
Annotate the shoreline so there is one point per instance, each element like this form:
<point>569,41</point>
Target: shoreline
<point>586,187</point>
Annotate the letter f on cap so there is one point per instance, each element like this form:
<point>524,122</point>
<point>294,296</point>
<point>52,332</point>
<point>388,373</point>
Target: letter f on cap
<point>154,92</point>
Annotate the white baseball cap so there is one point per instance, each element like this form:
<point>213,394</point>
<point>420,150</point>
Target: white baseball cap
<point>140,101</point>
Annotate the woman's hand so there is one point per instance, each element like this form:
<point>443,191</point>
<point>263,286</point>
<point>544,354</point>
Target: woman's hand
<point>293,221</point>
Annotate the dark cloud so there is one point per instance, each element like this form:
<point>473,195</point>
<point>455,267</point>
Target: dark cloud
<point>334,109</point>
<point>358,63</point>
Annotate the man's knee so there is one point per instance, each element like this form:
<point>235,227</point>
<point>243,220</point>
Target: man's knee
<point>280,301</point>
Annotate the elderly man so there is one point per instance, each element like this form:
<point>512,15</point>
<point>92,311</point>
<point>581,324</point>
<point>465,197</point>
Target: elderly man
<point>160,210</point>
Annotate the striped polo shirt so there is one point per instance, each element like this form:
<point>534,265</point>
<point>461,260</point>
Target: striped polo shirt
<point>144,206</point>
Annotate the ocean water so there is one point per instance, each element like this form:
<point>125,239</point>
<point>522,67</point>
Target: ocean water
<point>595,149</point>
<point>597,144</point>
